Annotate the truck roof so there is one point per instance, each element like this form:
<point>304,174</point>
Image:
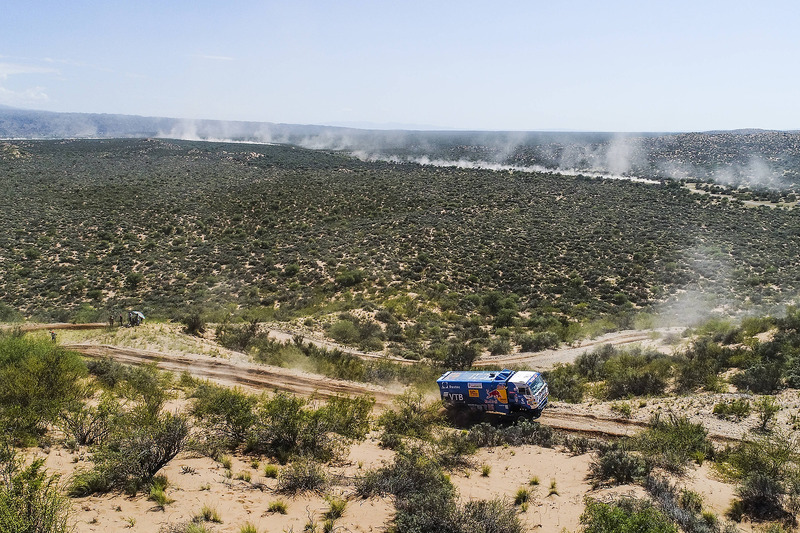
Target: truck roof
<point>486,375</point>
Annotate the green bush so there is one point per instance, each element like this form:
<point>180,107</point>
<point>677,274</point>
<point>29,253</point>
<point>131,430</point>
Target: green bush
<point>107,371</point>
<point>672,441</point>
<point>346,416</point>
<point>565,384</point>
<point>89,424</point>
<point>148,386</point>
<point>30,499</point>
<point>302,476</point>
<point>761,378</point>
<point>624,516</point>
<point>521,432</point>
<point>636,373</point>
<point>133,454</point>
<point>735,409</point>
<point>286,427</point>
<point>617,466</point>
<point>537,342</point>
<point>225,415</point>
<point>345,332</point>
<point>38,381</point>
<point>768,472</point>
<point>194,323</point>
<point>499,346</point>
<point>412,417</point>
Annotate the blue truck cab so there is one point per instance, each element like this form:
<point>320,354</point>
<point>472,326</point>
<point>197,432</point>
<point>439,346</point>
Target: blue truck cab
<point>504,392</point>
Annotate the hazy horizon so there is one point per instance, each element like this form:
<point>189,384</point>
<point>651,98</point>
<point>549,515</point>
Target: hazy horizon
<point>471,66</point>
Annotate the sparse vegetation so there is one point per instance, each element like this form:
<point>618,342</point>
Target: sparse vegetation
<point>30,498</point>
<point>302,476</point>
<point>278,506</point>
<point>625,516</point>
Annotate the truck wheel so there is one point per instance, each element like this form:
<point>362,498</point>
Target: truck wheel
<point>536,413</point>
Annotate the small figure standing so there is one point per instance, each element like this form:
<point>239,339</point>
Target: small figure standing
<point>53,335</point>
<point>111,321</point>
<point>120,320</point>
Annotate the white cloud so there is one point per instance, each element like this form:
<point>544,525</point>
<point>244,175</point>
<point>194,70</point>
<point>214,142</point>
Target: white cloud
<point>11,69</point>
<point>27,96</point>
<point>215,58</point>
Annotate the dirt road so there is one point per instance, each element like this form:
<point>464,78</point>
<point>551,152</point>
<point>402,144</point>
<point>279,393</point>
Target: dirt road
<point>248,375</point>
<point>568,417</point>
<point>547,359</point>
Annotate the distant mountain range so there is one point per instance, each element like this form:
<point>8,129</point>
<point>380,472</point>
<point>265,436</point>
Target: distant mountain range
<point>746,157</point>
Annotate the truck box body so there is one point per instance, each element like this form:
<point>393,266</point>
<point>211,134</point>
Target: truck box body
<point>502,392</point>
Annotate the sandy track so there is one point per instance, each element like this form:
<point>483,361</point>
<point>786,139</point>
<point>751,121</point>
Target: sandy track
<point>57,325</point>
<point>547,359</point>
<point>228,373</point>
<point>573,418</point>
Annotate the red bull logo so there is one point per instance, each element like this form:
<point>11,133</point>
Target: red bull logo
<point>497,395</point>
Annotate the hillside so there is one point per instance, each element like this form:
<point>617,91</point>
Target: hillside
<point>763,162</point>
<point>92,227</point>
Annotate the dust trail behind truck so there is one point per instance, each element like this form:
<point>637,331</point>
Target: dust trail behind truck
<point>504,392</point>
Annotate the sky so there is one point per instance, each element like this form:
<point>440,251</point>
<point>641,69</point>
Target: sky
<point>475,65</point>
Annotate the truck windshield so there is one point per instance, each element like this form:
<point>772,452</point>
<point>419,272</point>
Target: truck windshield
<point>537,384</point>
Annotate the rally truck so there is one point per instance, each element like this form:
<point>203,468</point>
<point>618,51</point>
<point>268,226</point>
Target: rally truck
<point>504,392</point>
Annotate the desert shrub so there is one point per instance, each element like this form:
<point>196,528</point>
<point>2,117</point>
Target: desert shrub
<point>454,449</point>
<point>697,372</point>
<point>413,470</point>
<point>225,414</point>
<point>460,356</point>
<point>90,424</point>
<point>237,336</point>
<point>617,466</point>
<point>766,407</point>
<point>522,432</point>
<point>286,426</point>
<point>685,507</point>
<point>345,332</point>
<point>672,441</point>
<point>761,378</point>
<point>590,364</point>
<point>280,420</point>
<point>736,409</point>
<point>565,384</point>
<point>38,380</point>
<point>624,516</point>
<point>488,516</point>
<point>148,386</point>
<point>767,469</point>
<point>412,416</point>
<point>302,476</point>
<point>537,342</point>
<point>30,499</point>
<point>349,417</point>
<point>499,346</point>
<point>107,371</point>
<point>133,454</point>
<point>9,314</point>
<point>636,373</point>
<point>194,323</point>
